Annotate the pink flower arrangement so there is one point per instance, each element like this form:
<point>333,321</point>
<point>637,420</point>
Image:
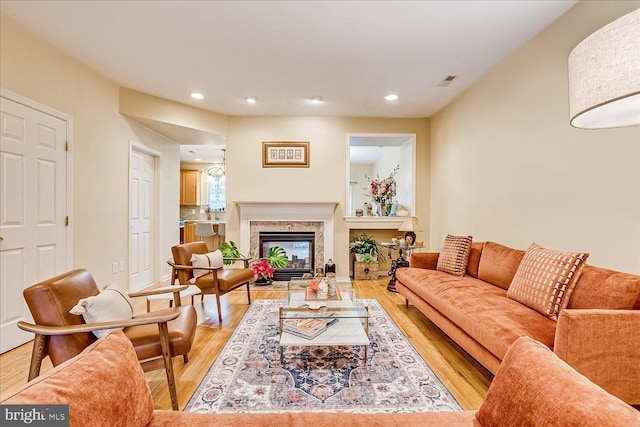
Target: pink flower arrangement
<point>383,191</point>
<point>262,268</point>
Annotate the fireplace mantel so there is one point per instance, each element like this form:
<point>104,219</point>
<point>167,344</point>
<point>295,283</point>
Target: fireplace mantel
<point>287,211</point>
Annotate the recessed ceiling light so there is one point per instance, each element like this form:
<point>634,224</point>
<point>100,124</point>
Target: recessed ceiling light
<point>391,97</point>
<point>316,100</point>
<point>252,99</point>
<point>196,95</point>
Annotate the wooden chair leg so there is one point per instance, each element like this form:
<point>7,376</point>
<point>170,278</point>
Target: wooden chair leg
<point>185,358</point>
<point>248,293</point>
<point>168,364</point>
<point>38,353</point>
<point>219,311</point>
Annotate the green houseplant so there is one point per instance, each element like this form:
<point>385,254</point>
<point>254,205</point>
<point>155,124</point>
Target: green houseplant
<point>365,248</point>
<point>276,258</point>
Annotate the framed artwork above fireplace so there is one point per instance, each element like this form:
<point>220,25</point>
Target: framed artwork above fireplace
<point>285,154</point>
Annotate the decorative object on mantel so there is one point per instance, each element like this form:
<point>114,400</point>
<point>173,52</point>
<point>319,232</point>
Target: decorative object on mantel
<point>410,226</point>
<point>368,209</point>
<point>402,211</point>
<point>285,154</point>
<point>604,76</point>
<point>382,192</point>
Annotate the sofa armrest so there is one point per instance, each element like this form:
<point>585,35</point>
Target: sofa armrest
<point>428,260</point>
<point>604,346</point>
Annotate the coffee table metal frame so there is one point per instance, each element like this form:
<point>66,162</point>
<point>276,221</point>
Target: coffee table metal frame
<point>352,327</point>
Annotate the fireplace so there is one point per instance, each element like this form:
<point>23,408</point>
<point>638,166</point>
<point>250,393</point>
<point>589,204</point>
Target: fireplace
<point>310,217</point>
<point>300,248</point>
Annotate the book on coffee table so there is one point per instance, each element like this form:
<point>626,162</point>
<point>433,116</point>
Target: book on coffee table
<point>306,328</point>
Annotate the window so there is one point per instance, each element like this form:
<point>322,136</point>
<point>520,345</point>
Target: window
<point>217,193</point>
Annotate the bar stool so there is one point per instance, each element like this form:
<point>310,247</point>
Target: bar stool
<point>204,229</point>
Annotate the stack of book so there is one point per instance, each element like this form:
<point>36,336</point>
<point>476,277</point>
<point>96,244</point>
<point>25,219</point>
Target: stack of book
<point>308,328</point>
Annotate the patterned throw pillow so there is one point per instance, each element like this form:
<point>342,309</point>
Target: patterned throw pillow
<point>545,279</point>
<point>454,256</point>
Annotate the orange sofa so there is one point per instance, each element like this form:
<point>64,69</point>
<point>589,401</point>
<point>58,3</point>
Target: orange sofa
<point>597,333</point>
<point>105,386</point>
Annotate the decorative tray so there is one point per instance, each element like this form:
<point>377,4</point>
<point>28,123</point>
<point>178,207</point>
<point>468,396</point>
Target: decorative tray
<point>311,295</point>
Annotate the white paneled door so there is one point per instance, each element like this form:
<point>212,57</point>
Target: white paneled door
<point>142,242</point>
<point>33,205</point>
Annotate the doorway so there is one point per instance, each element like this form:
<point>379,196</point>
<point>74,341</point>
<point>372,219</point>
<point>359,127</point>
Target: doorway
<point>35,182</point>
<point>142,206</point>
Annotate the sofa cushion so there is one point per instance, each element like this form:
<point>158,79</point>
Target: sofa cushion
<point>602,288</point>
<point>103,386</point>
<point>474,258</point>
<point>454,255</point>
<point>479,308</point>
<point>533,387</point>
<point>545,279</point>
<point>498,264</point>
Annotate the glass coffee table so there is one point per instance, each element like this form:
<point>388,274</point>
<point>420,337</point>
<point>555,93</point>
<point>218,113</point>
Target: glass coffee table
<point>346,317</point>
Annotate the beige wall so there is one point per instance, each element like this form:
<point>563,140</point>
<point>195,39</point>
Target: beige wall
<point>324,180</point>
<point>508,167</point>
<point>36,70</point>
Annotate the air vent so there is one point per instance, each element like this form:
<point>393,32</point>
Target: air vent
<point>447,81</point>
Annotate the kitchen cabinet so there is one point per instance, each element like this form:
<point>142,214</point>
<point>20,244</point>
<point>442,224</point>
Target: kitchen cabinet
<point>189,187</point>
<point>189,232</point>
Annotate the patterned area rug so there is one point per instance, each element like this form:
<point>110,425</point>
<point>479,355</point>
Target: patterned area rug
<point>247,376</point>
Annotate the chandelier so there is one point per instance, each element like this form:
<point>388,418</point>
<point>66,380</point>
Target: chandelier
<point>215,173</point>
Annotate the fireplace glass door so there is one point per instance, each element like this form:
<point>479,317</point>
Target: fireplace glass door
<point>299,247</point>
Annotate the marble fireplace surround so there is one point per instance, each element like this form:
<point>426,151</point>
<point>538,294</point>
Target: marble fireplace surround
<point>318,217</point>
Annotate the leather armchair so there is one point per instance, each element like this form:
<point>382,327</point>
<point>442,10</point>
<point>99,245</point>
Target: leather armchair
<point>218,282</point>
<point>157,337</point>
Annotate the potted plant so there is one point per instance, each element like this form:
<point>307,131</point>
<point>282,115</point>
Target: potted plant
<point>365,248</point>
<point>263,268</point>
<point>230,250</point>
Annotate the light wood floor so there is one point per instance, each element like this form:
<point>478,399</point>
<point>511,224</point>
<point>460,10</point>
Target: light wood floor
<point>464,377</point>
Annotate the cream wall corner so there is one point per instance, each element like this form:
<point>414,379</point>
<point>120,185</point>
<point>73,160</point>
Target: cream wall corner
<point>508,167</point>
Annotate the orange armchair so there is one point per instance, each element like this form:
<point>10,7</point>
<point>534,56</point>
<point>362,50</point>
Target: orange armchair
<point>157,337</point>
<point>218,282</point>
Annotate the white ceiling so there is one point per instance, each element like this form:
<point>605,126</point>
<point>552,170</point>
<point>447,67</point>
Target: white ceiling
<point>351,53</point>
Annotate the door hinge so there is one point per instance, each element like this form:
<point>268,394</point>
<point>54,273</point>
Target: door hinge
<point>66,221</point>
<point>66,146</point>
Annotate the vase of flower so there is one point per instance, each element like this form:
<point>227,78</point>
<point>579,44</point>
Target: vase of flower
<point>382,193</point>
